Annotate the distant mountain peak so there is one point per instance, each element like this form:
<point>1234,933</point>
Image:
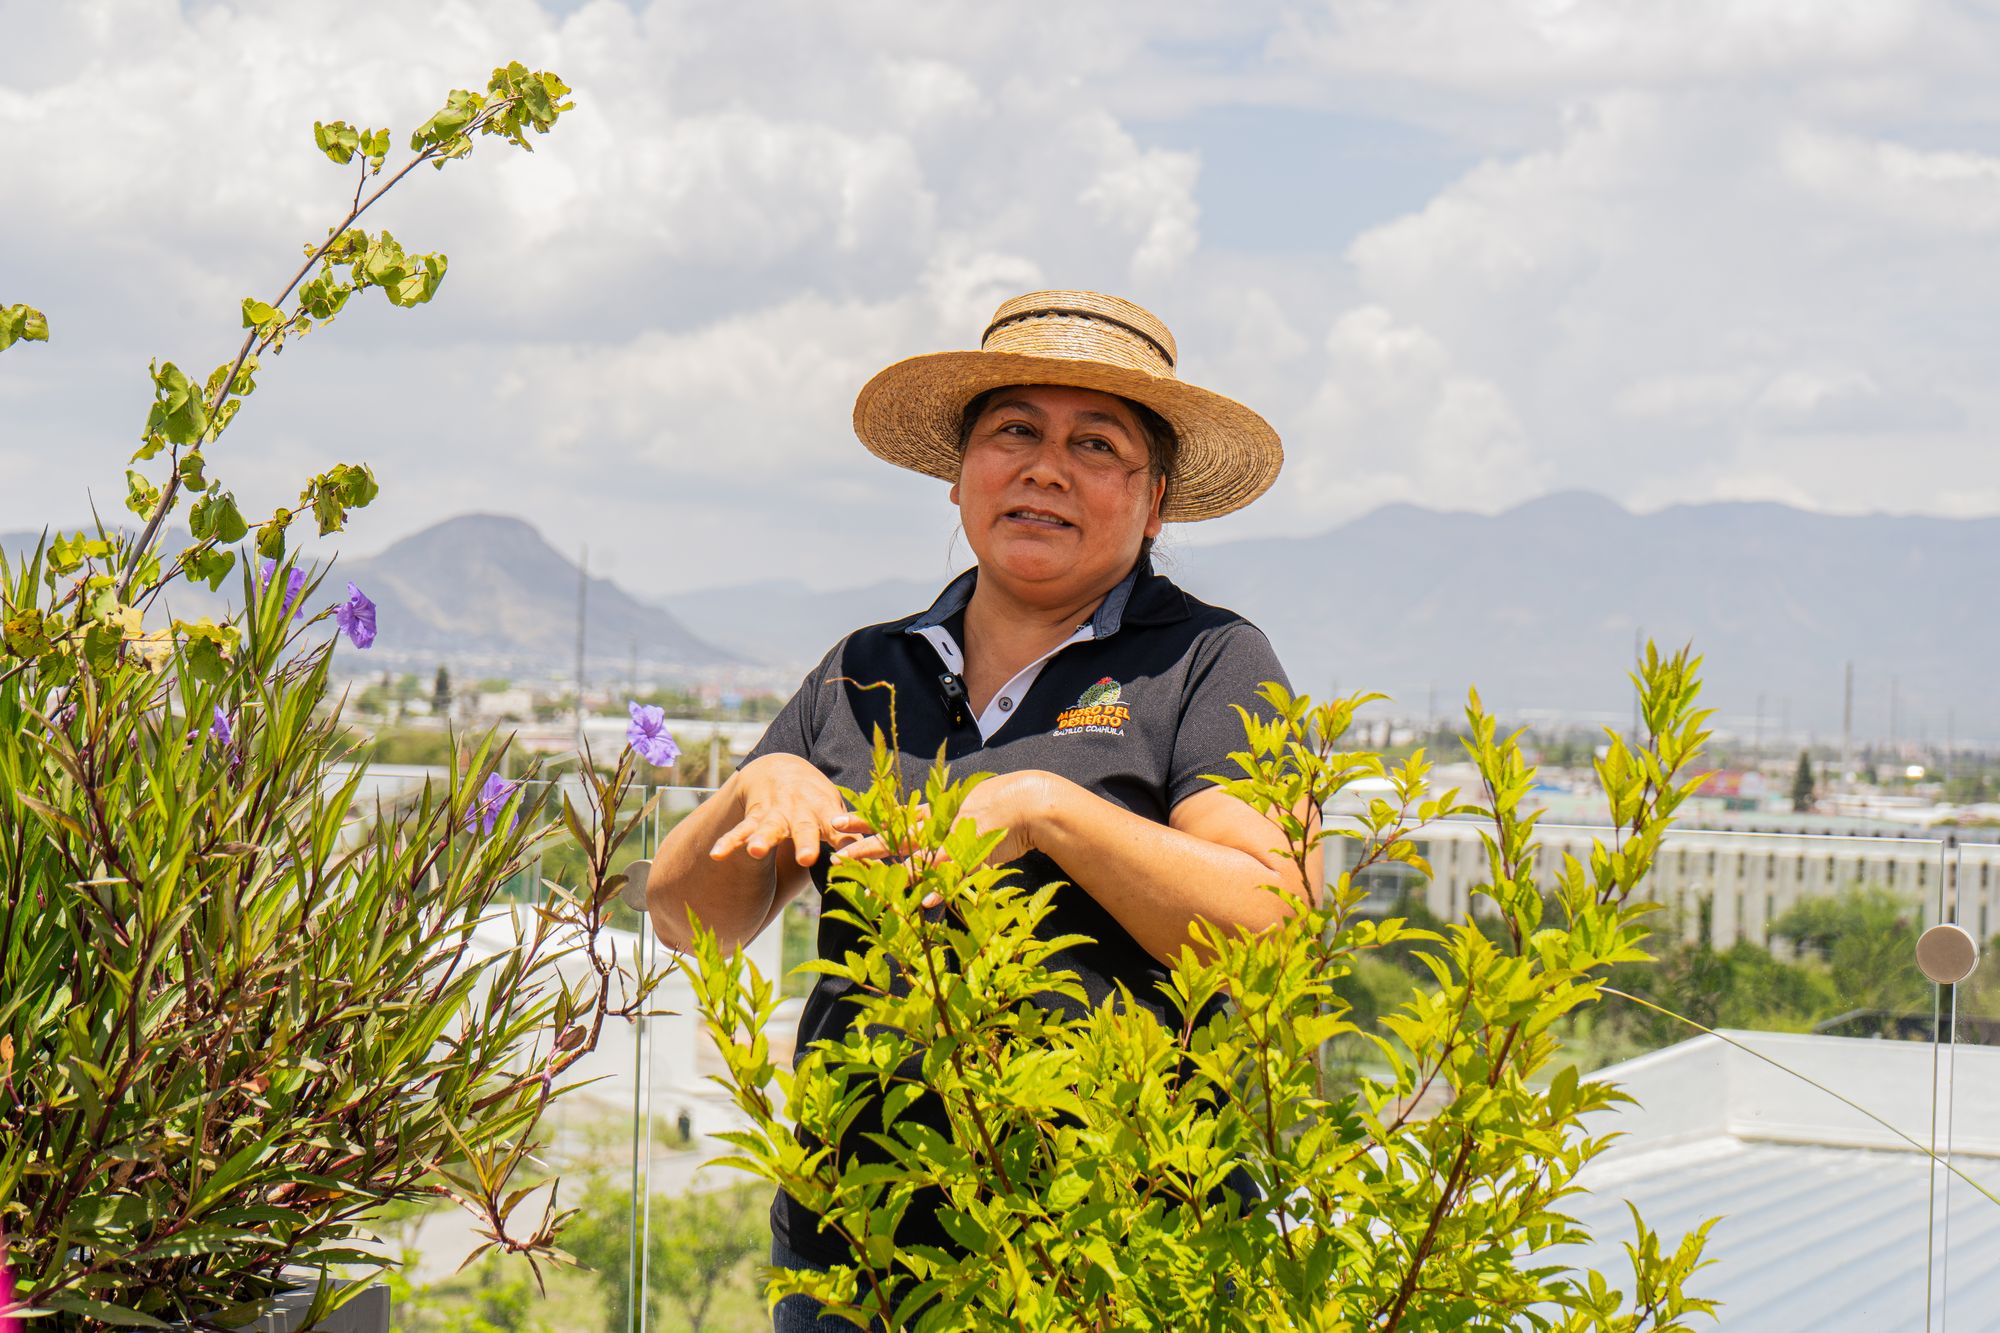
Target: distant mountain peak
<point>1568,506</point>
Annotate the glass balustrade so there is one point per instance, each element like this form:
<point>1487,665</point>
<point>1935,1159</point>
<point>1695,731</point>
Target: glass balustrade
<point>1846,1099</point>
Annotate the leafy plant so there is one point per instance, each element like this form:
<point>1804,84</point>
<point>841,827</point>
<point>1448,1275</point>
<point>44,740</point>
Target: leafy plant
<point>696,1249</point>
<point>1081,1165</point>
<point>240,1012</point>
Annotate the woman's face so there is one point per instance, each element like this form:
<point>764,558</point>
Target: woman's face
<point>1056,490</point>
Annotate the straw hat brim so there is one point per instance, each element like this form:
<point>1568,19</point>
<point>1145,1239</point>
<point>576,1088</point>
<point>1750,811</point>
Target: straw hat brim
<point>909,414</point>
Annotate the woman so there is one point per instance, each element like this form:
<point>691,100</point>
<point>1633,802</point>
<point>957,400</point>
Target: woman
<point>1097,692</point>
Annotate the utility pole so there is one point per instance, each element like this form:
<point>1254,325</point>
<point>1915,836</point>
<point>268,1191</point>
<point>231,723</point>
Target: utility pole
<point>582,607</point>
<point>1639,661</point>
<point>1895,703</point>
<point>1847,727</point>
<point>1757,730</point>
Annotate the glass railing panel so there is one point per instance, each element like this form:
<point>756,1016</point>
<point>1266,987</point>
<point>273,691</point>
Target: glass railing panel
<point>1811,1120</point>
<point>616,1147</point>
<point>703,1230</point>
<point>1808,1122</point>
<point>1965,1178</point>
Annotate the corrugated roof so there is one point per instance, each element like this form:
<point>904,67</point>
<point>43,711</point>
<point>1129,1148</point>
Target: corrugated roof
<point>1812,1238</point>
<point>1827,1217</point>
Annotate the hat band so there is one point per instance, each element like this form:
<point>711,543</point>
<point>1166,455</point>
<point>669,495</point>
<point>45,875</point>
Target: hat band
<point>1090,315</point>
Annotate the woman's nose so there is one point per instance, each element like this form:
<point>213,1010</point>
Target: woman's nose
<point>1047,466</point>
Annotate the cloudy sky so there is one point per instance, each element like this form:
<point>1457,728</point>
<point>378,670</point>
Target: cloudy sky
<point>1460,252</point>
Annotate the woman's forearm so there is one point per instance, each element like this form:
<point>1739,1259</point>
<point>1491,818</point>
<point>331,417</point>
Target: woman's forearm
<point>733,897</point>
<point>1157,880</point>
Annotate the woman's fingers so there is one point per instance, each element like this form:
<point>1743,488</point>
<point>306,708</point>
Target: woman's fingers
<point>762,831</point>
<point>733,841</point>
<point>865,849</point>
<point>805,830</point>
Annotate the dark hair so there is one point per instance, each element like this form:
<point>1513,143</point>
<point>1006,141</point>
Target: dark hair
<point>1163,446</point>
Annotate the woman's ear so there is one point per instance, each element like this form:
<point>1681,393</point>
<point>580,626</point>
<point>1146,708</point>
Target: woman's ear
<point>1153,521</point>
<point>954,493</point>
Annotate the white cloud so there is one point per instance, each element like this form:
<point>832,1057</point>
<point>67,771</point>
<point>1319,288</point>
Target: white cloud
<point>1516,45</point>
<point>1396,420</point>
<point>1924,191</point>
<point>1718,248</point>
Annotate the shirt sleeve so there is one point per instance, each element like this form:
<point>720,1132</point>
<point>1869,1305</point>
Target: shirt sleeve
<point>796,728</point>
<point>1229,667</point>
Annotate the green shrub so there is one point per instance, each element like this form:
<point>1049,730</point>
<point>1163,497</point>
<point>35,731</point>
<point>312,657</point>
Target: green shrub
<point>1082,1162</point>
<point>240,1015</point>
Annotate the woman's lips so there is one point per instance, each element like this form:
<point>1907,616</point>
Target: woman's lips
<point>1038,518</point>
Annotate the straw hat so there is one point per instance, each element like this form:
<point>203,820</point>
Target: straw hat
<point>909,414</point>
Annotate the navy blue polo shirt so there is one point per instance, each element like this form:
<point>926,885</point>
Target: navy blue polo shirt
<point>1136,707</point>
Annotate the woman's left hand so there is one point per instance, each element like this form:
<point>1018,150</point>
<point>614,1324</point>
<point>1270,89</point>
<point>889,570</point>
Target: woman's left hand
<point>1016,802</point>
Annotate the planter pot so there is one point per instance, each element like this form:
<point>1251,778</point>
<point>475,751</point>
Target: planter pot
<point>366,1313</point>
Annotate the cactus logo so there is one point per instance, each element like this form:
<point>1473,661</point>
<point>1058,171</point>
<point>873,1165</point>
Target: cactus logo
<point>1097,710</point>
<point>1105,691</point>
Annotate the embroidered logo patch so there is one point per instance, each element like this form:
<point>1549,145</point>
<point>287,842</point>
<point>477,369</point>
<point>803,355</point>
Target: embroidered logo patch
<point>1097,709</point>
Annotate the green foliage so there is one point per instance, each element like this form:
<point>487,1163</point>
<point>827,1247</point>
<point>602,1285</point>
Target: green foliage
<point>240,1015</point>
<point>1081,1163</point>
<point>22,323</point>
<point>1803,784</point>
<point>700,1248</point>
<point>1866,937</point>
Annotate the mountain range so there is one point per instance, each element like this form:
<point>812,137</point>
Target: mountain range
<point>487,592</point>
<point>1540,606</point>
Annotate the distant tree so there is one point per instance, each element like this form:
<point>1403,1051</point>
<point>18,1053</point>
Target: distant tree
<point>441,693</point>
<point>1866,937</point>
<point>1803,784</point>
<point>1969,789</point>
<point>698,1247</point>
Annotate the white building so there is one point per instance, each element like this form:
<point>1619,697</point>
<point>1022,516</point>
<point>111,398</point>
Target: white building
<point>1748,878</point>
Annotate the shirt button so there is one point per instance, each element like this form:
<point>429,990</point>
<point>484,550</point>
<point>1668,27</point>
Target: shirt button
<point>1005,703</point>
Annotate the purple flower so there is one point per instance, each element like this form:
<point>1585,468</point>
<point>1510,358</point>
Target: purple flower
<point>493,797</point>
<point>295,582</point>
<point>219,730</point>
<point>356,617</point>
<point>647,733</point>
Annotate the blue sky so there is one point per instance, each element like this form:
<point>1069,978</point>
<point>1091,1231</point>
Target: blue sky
<point>1461,252</point>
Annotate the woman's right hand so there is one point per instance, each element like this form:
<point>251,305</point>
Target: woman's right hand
<point>783,799</point>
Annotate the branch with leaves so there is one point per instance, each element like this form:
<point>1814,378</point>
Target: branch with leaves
<point>258,1011</point>
<point>1181,1159</point>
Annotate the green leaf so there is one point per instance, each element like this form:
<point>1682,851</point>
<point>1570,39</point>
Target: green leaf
<point>271,535</point>
<point>216,517</point>
<point>178,413</point>
<point>22,323</point>
<point>104,1312</point>
<point>25,633</point>
<point>257,315</point>
<point>459,108</point>
<point>208,564</point>
<point>140,494</point>
<point>337,140</point>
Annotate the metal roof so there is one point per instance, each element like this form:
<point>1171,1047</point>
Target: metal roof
<point>1828,1217</point>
